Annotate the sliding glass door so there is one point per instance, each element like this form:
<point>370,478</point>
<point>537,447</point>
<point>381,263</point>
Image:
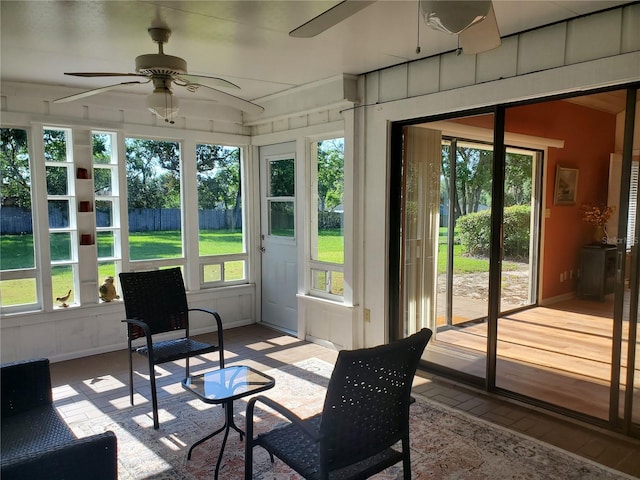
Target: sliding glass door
<point>491,244</point>
<point>446,211</point>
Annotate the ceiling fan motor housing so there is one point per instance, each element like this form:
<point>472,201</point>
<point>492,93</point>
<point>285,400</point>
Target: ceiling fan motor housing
<point>160,64</point>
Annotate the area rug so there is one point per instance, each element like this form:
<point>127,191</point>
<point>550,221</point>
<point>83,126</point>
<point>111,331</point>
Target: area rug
<point>446,444</point>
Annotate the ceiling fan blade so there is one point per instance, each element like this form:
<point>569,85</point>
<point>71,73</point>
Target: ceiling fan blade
<point>88,93</point>
<point>213,81</point>
<point>230,100</point>
<point>104,74</point>
<point>482,36</point>
<point>329,18</point>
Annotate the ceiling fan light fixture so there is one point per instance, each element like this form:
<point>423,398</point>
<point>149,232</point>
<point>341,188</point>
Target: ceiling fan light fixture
<point>454,17</point>
<point>164,104</point>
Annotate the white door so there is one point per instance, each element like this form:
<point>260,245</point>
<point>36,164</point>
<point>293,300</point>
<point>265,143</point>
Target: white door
<point>278,236</point>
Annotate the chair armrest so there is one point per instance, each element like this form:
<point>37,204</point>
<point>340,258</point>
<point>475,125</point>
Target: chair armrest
<point>139,323</point>
<point>219,324</point>
<point>285,412</point>
<point>93,457</point>
<point>25,385</point>
<point>147,333</point>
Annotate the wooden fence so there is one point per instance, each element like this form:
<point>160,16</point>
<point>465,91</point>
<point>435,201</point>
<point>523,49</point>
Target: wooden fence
<point>15,220</point>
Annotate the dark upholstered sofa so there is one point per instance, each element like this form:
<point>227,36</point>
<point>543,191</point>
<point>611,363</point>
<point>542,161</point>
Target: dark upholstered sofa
<point>36,442</point>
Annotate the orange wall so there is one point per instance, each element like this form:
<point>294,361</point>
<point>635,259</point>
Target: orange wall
<point>589,138</point>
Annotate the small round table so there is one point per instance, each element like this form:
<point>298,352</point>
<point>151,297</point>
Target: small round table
<point>223,386</point>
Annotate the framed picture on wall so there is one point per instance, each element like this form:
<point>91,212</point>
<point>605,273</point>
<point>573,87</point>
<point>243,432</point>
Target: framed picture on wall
<point>566,188</point>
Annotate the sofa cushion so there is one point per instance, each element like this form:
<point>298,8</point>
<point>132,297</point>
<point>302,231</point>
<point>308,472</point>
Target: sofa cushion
<point>28,433</point>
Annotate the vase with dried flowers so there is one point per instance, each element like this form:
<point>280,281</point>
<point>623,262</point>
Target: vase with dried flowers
<point>598,215</point>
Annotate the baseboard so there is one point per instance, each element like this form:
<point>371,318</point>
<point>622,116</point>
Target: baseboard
<point>565,297</point>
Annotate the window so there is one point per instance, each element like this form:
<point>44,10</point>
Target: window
<point>107,203</point>
<point>327,233</point>
<point>63,233</point>
<point>281,197</point>
<point>220,214</point>
<point>18,287</point>
<point>154,200</point>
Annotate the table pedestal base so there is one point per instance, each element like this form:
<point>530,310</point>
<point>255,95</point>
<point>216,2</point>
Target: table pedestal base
<point>229,423</point>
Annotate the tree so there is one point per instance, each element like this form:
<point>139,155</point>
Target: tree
<point>219,180</point>
<point>14,166</point>
<point>330,174</point>
<point>218,176</point>
<point>153,173</point>
<point>473,168</point>
<point>55,151</point>
<point>518,172</point>
<point>282,178</point>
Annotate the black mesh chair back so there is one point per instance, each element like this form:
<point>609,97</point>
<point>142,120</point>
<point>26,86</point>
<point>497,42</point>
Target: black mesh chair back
<point>366,409</point>
<point>365,414</point>
<point>158,297</point>
<point>156,302</point>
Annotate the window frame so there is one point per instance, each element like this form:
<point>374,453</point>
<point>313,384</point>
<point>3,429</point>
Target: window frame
<point>223,259</point>
<point>73,263</point>
<point>314,266</point>
<point>30,272</point>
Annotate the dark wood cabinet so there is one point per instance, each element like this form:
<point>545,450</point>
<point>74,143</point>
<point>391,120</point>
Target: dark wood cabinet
<point>597,271</point>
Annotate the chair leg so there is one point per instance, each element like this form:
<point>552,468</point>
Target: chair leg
<point>248,460</point>
<point>130,376</point>
<point>187,367</point>
<point>154,396</point>
<point>248,443</point>
<point>406,460</point>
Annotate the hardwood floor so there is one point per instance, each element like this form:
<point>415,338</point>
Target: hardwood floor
<point>560,354</point>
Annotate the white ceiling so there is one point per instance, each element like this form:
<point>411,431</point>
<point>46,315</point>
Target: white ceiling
<point>245,42</point>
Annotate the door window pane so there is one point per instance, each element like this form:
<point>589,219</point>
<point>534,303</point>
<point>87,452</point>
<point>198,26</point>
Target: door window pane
<point>281,218</point>
<point>282,178</point>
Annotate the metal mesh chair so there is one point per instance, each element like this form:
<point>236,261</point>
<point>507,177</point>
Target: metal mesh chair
<point>365,414</point>
<point>156,302</point>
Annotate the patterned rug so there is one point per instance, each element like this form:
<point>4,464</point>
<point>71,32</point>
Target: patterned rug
<point>446,444</point>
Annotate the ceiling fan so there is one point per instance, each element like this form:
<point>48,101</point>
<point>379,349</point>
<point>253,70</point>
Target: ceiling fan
<point>474,21</point>
<point>164,71</point>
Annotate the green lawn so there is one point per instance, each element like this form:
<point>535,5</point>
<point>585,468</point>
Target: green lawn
<point>16,251</point>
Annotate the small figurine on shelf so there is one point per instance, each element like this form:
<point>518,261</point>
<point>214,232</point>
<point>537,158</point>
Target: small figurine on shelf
<point>63,300</point>
<point>108,290</point>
